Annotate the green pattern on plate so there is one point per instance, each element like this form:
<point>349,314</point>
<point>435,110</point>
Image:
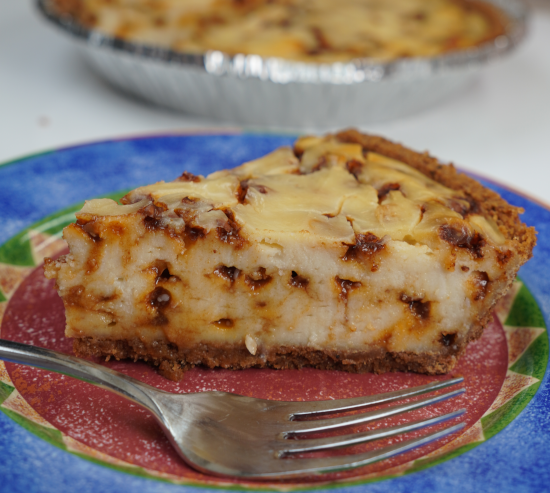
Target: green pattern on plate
<point>533,361</point>
<point>50,435</point>
<point>17,251</point>
<point>496,421</point>
<point>5,391</point>
<point>525,311</point>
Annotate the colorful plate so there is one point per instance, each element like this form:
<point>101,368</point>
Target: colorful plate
<point>87,439</point>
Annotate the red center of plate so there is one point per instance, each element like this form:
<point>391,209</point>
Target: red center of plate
<point>111,425</point>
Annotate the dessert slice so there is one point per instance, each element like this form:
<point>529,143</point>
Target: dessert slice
<point>346,252</point>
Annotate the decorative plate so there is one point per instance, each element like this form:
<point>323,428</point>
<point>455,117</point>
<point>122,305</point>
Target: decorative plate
<point>58,434</point>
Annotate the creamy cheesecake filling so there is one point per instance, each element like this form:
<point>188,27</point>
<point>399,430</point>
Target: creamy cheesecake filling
<point>328,247</point>
<point>298,299</point>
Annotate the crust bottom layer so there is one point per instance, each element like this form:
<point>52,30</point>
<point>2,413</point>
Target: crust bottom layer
<point>173,362</point>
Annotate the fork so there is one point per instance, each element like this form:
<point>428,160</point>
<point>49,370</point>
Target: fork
<point>227,434</point>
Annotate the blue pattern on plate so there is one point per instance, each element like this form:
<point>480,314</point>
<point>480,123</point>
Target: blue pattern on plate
<point>516,459</point>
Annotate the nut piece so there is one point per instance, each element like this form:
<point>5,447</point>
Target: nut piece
<point>251,344</point>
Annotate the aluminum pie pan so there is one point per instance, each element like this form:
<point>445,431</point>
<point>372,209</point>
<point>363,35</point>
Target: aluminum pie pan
<point>271,92</point>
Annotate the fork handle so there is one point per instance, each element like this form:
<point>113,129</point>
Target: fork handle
<point>98,375</point>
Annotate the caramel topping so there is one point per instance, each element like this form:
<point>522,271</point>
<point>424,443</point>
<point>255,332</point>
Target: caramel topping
<point>334,192</point>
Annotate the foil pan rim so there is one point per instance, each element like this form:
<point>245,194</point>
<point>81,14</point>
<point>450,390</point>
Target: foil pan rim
<point>282,71</point>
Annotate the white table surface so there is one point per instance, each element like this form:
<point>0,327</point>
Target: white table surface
<point>498,127</point>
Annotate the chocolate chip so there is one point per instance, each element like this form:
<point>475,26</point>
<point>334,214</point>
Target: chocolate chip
<point>386,189</point>
<point>448,340</point>
<point>345,286</point>
<point>367,244</point>
<point>159,297</point>
<point>186,176</point>
<point>419,308</point>
<point>298,281</point>
<point>461,237</point>
<point>227,273</point>
<point>480,282</point>
<point>258,279</point>
<point>354,167</point>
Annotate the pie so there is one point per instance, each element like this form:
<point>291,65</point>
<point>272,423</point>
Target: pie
<point>322,31</point>
<point>344,252</point>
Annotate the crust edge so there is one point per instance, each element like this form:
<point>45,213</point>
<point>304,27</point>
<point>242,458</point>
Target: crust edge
<point>492,205</point>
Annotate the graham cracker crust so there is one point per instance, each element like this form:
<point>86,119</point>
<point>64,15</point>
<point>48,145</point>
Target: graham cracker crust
<point>173,362</point>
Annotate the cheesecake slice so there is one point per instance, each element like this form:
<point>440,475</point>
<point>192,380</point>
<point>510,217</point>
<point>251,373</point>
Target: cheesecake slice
<point>345,252</point>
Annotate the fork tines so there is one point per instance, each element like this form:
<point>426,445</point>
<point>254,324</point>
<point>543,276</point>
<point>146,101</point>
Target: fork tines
<point>285,448</point>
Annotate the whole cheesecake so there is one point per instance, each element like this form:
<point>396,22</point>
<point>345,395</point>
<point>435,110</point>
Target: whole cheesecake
<point>346,252</point>
<point>321,31</point>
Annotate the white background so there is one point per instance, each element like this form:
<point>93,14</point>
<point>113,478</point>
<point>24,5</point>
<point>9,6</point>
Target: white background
<point>498,127</point>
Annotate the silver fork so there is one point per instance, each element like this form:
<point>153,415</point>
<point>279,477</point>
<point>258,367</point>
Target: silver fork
<point>232,435</point>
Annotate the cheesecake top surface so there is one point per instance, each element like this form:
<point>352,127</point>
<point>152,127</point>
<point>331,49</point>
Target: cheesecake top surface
<point>323,190</point>
<point>322,31</point>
